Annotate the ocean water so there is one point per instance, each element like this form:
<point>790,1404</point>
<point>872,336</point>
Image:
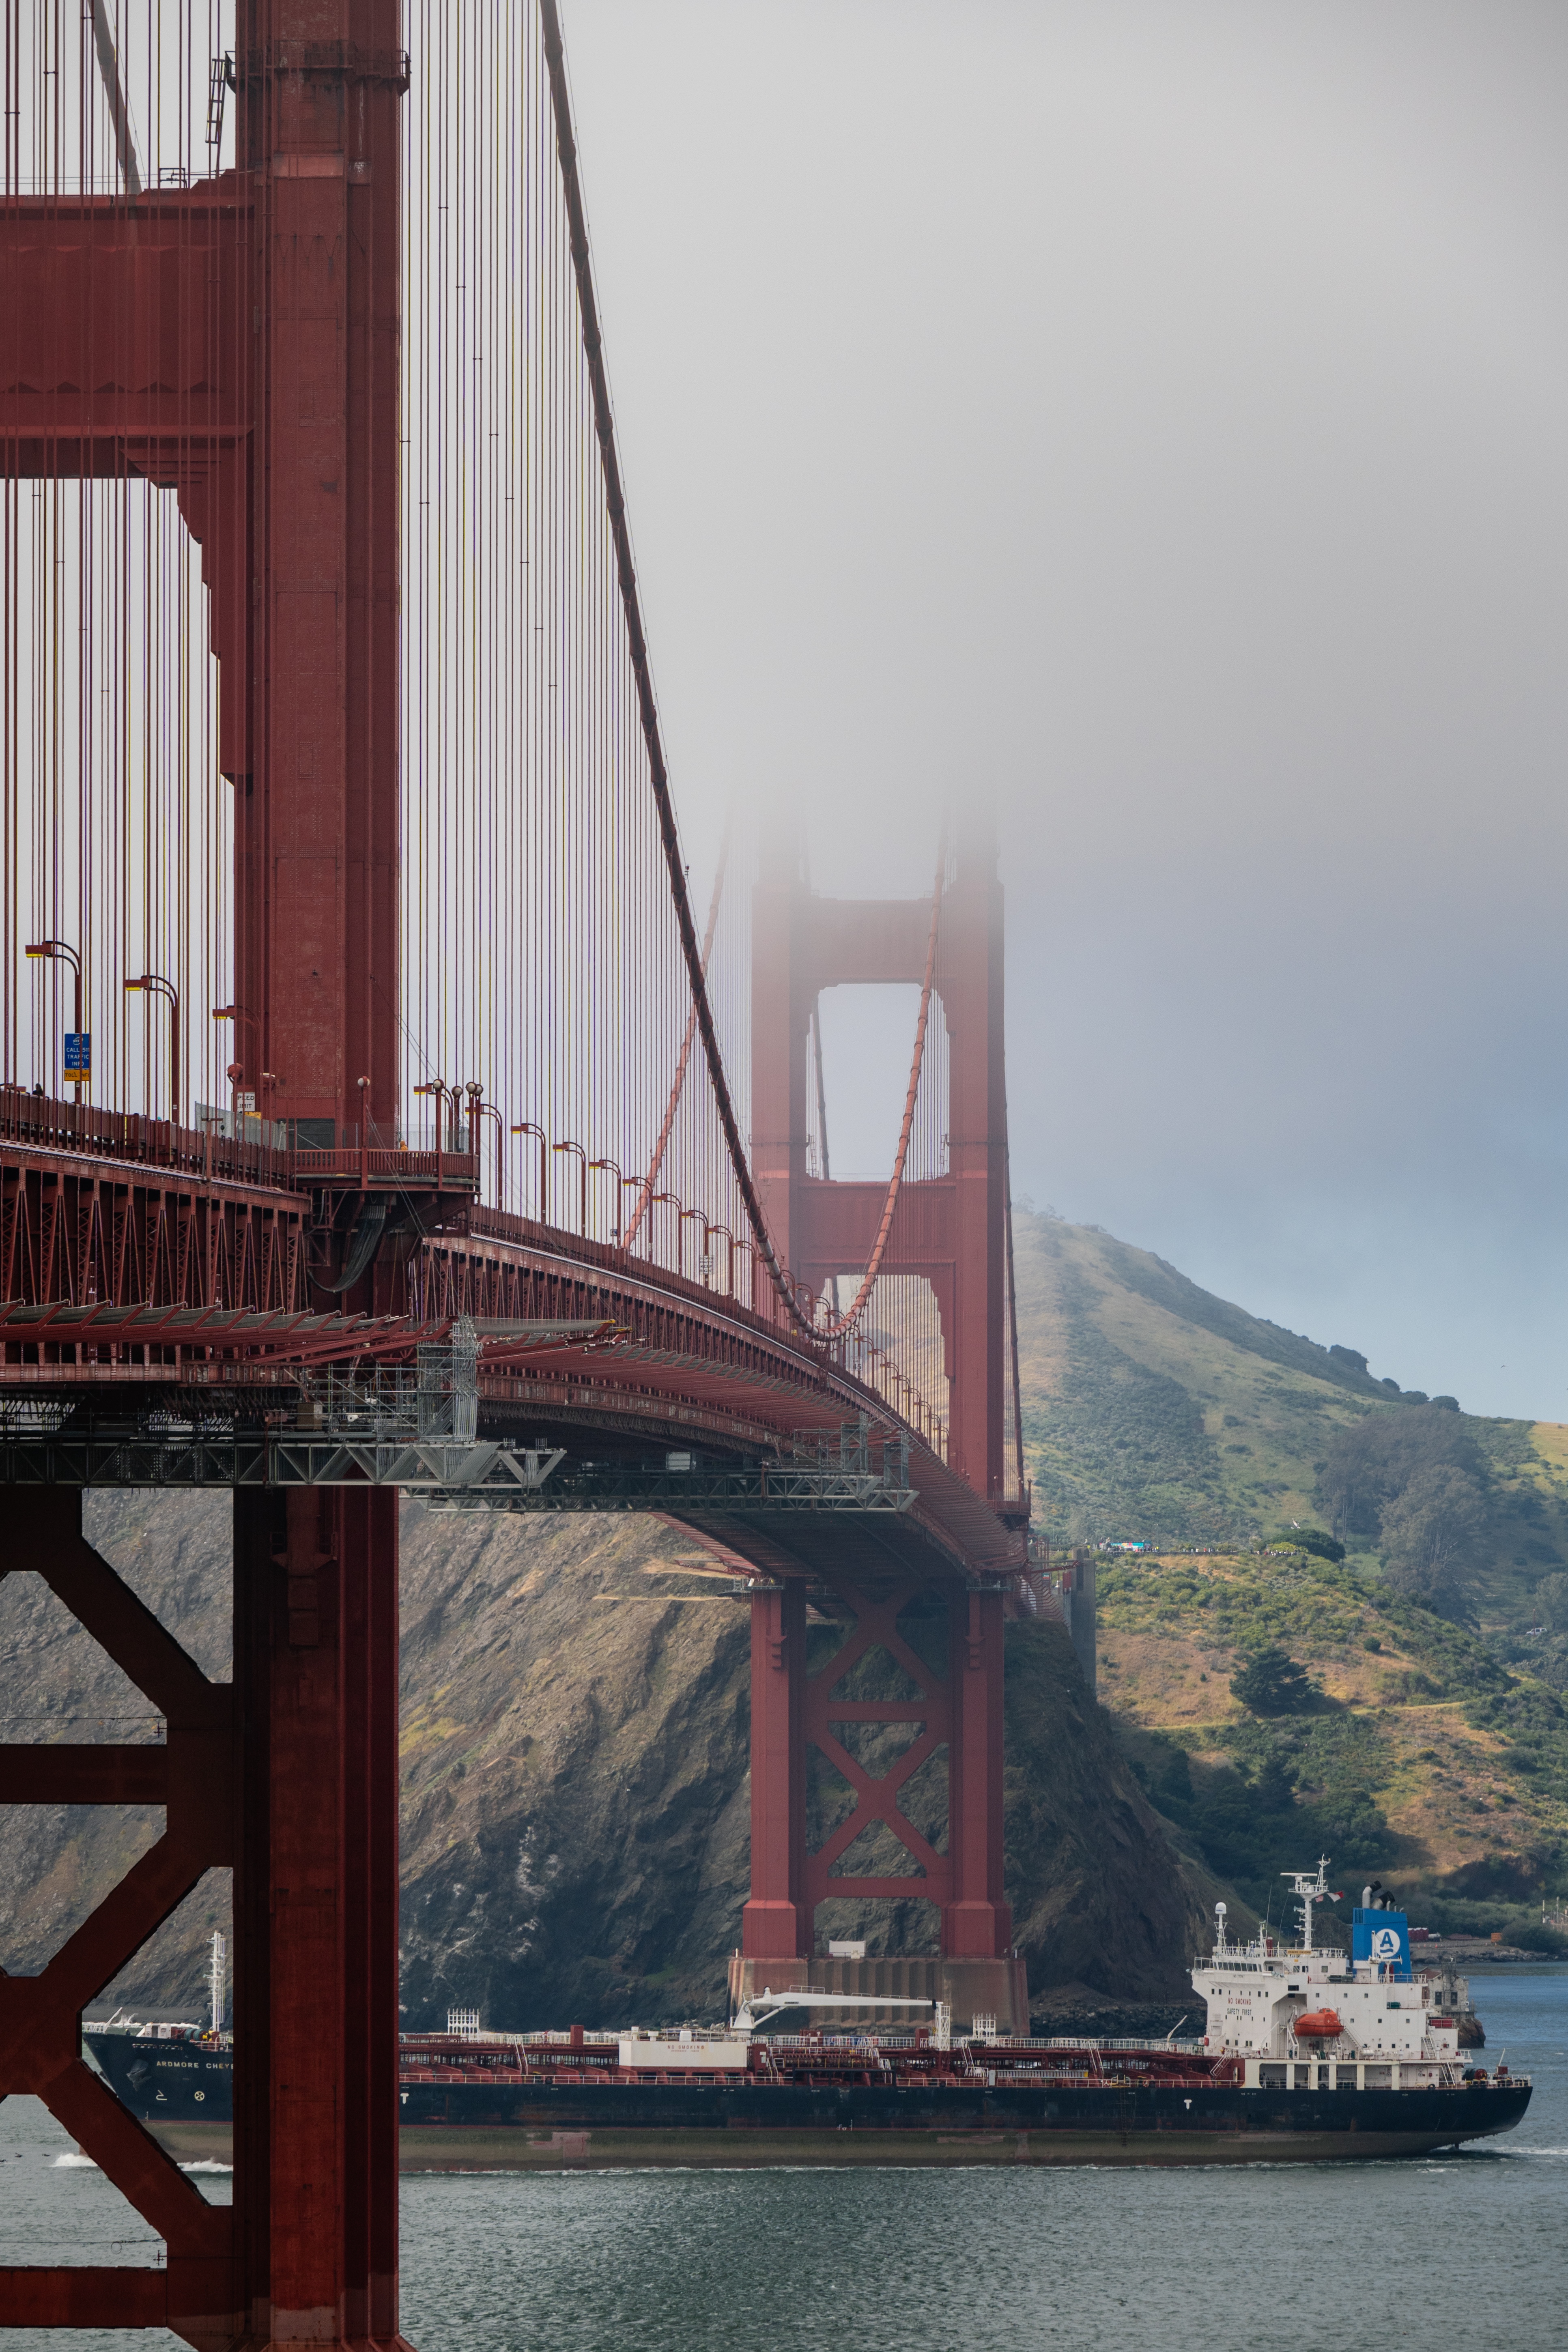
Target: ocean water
<point>1434,2250</point>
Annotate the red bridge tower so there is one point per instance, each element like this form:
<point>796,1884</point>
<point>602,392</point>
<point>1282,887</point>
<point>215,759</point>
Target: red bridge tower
<point>949,1230</point>
<point>239,340</point>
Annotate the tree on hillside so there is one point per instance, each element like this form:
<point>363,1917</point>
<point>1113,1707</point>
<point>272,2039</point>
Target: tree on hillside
<point>1551,1603</point>
<point>1433,1535</point>
<point>1271,1683</point>
<point>1369,1465</point>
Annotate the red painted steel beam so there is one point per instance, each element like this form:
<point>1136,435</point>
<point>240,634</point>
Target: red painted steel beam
<point>838,1220</point>
<point>977,1923</point>
<point>876,1800</point>
<point>41,2039</point>
<point>970,979</point>
<point>125,349</point>
<point>316,1915</point>
<point>131,2157</point>
<point>792,1712</point>
<point>776,1922</point>
<point>241,342</point>
<point>38,2014</point>
<point>56,1773</point>
<point>83,2295</point>
<point>317,951</point>
<point>877,1794</point>
<point>46,1529</point>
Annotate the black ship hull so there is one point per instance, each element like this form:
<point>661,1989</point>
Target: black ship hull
<point>1070,2124</point>
<point>172,2082</point>
<point>187,2094</point>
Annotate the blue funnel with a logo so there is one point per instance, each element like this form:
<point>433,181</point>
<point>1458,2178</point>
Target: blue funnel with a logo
<point>1383,1937</point>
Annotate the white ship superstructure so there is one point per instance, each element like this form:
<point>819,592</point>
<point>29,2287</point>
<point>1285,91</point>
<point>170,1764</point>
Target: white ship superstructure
<point>1297,2018</point>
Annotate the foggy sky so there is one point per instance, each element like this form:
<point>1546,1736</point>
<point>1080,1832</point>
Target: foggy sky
<point>1151,416</point>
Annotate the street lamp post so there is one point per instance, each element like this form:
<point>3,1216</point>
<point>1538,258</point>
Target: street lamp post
<point>436,1086</point>
<point>478,1111</point>
<point>613,1168</point>
<point>47,950</point>
<point>702,1219</point>
<point>153,984</point>
<point>241,1019</point>
<point>583,1183</point>
<point>365,1135</point>
<point>267,1088</point>
<point>527,1126</point>
<point>654,1202</point>
<point>632,1184</point>
<point>235,1073</point>
<point>729,1256</point>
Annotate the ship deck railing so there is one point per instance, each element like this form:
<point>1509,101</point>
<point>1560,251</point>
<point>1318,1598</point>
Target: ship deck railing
<point>1086,2042</point>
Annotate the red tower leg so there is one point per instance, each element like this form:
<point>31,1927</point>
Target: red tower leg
<point>977,1923</point>
<point>316,1916</point>
<point>978,1972</point>
<point>775,1924</point>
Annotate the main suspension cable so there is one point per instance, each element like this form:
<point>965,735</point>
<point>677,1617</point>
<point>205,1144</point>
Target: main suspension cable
<point>649,1182</point>
<point>692,950</point>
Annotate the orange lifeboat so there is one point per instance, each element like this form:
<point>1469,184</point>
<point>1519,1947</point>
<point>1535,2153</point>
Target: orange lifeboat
<point>1317,2025</point>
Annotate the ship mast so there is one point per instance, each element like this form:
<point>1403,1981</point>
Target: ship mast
<point>217,1974</point>
<point>1309,1891</point>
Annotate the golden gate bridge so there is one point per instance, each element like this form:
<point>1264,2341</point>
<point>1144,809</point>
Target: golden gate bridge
<point>378,1111</point>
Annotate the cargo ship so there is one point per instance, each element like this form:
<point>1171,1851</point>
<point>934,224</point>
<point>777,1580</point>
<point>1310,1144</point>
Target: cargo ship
<point>1308,2055</point>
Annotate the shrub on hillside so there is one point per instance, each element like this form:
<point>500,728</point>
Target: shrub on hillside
<point>1313,1540</point>
<point>1271,1683</point>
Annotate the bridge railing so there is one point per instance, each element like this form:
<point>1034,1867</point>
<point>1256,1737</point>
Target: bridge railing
<point>346,1165</point>
<point>42,1122</point>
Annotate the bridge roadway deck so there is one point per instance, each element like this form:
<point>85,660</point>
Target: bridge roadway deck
<point>141,1264</point>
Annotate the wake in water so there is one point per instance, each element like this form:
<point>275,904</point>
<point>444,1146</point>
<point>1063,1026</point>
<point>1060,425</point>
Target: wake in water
<point>77,2162</point>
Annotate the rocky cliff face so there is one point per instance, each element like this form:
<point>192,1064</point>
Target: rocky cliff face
<point>576,1808</point>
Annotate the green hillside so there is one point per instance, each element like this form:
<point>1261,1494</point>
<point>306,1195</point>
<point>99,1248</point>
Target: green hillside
<point>1433,1750</point>
<point>1416,1755</point>
<point>1154,1412</point>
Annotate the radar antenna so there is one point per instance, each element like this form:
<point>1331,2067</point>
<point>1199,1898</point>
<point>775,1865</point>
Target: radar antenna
<point>1308,1890</point>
